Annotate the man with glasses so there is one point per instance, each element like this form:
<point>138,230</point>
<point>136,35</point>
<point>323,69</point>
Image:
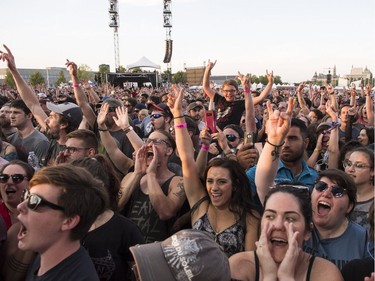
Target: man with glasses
<point>229,109</point>
<point>55,214</point>
<point>152,195</point>
<point>79,143</point>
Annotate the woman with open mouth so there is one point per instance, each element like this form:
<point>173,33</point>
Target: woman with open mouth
<point>285,225</point>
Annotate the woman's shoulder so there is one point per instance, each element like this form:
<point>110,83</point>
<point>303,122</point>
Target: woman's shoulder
<point>323,269</point>
<point>242,266</point>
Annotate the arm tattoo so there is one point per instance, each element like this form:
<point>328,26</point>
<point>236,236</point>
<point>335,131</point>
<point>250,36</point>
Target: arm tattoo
<point>181,192</point>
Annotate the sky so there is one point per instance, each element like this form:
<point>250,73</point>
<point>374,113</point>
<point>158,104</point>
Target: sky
<point>294,38</point>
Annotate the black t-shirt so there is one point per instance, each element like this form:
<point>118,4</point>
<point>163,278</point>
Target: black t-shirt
<point>228,112</point>
<point>78,267</point>
<point>108,247</point>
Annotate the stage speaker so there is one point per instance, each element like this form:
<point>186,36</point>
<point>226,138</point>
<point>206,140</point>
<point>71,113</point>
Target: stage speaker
<point>168,51</point>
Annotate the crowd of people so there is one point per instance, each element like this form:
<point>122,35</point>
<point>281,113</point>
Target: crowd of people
<point>110,183</point>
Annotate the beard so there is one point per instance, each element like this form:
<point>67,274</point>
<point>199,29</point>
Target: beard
<point>292,156</point>
<point>4,123</point>
<point>52,134</point>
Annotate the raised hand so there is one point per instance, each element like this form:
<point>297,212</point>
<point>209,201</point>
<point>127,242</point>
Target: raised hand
<point>140,161</point>
<point>288,265</point>
<point>269,76</point>
<point>267,264</point>
<point>210,65</point>
<point>178,93</point>
<point>73,69</point>
<point>245,80</point>
<point>278,123</point>
<point>122,118</point>
<point>102,115</point>
<point>9,58</point>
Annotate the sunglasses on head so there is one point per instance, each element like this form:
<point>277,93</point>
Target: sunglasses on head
<point>111,109</point>
<point>16,178</point>
<point>34,201</point>
<point>337,191</point>
<point>156,115</point>
<point>231,137</point>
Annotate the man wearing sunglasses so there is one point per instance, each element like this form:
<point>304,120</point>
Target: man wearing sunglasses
<point>55,214</point>
<point>161,116</point>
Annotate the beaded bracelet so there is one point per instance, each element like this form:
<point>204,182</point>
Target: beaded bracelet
<point>180,126</point>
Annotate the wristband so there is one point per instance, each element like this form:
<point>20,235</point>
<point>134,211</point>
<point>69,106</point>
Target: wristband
<point>76,85</point>
<point>182,116</point>
<point>247,91</point>
<point>205,147</point>
<point>128,129</point>
<point>102,130</point>
<point>180,126</point>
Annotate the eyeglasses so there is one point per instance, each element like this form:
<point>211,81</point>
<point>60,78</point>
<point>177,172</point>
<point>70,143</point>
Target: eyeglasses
<point>16,178</point>
<point>231,137</point>
<point>34,201</point>
<point>156,115</point>
<point>348,164</point>
<point>337,191</point>
<point>196,109</point>
<point>228,91</point>
<point>72,149</point>
<point>127,104</point>
<point>157,141</point>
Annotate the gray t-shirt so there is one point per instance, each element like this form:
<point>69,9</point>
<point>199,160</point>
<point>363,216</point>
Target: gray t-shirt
<point>36,142</point>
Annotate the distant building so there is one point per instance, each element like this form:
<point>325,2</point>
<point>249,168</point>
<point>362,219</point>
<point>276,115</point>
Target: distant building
<point>50,74</point>
<point>357,73</point>
<point>324,79</point>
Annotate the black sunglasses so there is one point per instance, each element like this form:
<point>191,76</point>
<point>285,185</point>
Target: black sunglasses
<point>156,115</point>
<point>231,137</point>
<point>337,191</point>
<point>34,201</point>
<point>16,178</point>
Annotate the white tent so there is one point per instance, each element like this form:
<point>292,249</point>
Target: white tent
<point>143,62</point>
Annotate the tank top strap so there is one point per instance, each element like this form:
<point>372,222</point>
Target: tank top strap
<point>256,259</point>
<point>311,261</point>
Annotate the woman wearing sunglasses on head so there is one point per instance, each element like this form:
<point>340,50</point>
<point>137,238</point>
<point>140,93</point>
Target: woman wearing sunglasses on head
<point>222,207</point>
<point>14,179</point>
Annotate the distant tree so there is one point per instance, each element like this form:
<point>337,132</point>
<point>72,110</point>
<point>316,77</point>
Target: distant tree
<point>121,69</point>
<point>36,78</point>
<point>60,78</point>
<point>263,79</point>
<point>136,70</point>
<point>277,80</point>
<point>254,79</point>
<point>9,81</point>
<point>179,77</point>
<point>165,76</point>
<point>103,71</point>
<point>85,73</point>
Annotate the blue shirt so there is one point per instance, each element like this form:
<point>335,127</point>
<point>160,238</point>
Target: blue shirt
<point>308,176</point>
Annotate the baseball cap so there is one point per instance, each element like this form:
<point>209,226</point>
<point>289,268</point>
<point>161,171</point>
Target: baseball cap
<point>193,105</point>
<point>187,255</point>
<point>161,107</point>
<point>70,110</point>
<point>140,106</point>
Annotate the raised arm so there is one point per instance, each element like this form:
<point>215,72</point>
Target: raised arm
<point>277,128</point>
<point>333,101</point>
<point>119,159</point>
<point>206,80</point>
<point>193,186</point>
<point>26,92</point>
<point>266,90</point>
<point>249,104</point>
<point>80,95</point>
<point>369,106</point>
<point>333,144</point>
<point>302,103</point>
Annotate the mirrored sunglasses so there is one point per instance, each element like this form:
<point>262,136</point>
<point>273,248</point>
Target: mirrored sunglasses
<point>156,115</point>
<point>231,137</point>
<point>34,201</point>
<point>337,191</point>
